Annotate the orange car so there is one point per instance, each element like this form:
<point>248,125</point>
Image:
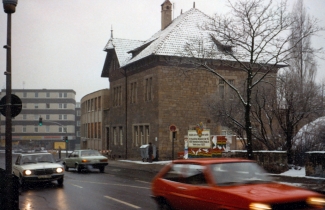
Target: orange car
<point>220,183</point>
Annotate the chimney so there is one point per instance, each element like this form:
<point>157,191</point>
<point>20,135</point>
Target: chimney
<point>166,14</point>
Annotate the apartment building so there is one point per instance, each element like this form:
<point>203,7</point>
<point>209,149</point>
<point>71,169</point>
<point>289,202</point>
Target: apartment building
<point>56,107</point>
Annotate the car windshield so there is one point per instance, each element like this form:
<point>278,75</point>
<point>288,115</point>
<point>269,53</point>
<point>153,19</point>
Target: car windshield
<point>90,153</point>
<point>39,158</point>
<point>239,173</point>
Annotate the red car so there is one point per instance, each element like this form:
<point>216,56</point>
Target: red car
<point>220,183</point>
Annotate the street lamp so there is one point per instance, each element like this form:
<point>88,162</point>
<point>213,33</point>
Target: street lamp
<point>11,202</point>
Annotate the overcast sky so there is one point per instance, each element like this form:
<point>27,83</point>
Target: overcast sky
<point>58,44</point>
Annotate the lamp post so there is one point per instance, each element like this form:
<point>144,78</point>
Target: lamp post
<point>9,7</point>
<point>11,203</point>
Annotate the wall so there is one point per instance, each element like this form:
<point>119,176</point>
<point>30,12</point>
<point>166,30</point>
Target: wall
<point>315,163</point>
<point>271,161</point>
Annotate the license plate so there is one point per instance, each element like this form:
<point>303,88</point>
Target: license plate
<point>44,176</point>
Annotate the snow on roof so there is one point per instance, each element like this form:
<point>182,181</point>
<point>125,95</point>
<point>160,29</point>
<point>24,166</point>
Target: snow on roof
<point>122,46</point>
<point>184,31</point>
<point>172,39</point>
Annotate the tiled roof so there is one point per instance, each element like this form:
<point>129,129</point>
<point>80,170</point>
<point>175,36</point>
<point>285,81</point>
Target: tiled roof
<point>184,31</point>
<point>172,40</point>
<point>122,47</point>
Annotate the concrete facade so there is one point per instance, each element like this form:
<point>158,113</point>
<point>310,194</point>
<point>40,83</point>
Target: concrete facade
<point>57,109</point>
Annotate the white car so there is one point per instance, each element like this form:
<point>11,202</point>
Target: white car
<point>38,167</point>
<point>85,159</point>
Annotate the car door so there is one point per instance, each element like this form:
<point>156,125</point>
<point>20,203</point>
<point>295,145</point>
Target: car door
<point>16,166</point>
<point>71,160</point>
<point>187,189</point>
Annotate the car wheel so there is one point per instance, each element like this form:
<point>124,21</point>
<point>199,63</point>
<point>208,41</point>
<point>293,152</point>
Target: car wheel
<point>102,169</point>
<point>78,168</point>
<point>60,181</point>
<point>66,168</point>
<point>22,184</point>
<point>163,205</point>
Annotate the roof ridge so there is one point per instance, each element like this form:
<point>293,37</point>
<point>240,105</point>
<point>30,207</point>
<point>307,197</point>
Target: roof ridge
<point>183,18</point>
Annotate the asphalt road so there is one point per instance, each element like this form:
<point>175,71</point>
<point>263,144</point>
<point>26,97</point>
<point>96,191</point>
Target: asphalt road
<point>117,188</point>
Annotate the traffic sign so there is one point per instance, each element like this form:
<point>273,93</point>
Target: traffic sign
<point>16,105</point>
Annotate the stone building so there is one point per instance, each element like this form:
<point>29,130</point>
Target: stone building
<point>92,120</point>
<point>56,107</point>
<point>154,96</point>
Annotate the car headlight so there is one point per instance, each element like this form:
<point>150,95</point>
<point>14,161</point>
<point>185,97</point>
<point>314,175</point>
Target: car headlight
<point>59,170</point>
<point>27,172</point>
<point>316,202</point>
<point>259,206</point>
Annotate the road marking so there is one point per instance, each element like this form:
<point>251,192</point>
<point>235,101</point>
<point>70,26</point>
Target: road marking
<point>142,181</point>
<point>125,203</point>
<point>121,185</point>
<point>76,185</point>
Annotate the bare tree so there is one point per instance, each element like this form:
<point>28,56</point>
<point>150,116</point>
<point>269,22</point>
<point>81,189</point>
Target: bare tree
<point>252,38</point>
<point>298,94</point>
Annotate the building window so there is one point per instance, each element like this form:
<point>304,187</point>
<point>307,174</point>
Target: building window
<point>148,89</point>
<point>13,130</point>
<point>63,117</point>
<point>24,129</point>
<point>36,94</point>
<point>24,105</point>
<point>99,103</point>
<point>78,113</point>
<point>221,89</point>
<point>47,95</point>
<point>78,123</point>
<point>47,116</point>
<point>63,95</point>
<point>230,90</point>
<point>62,106</point>
<point>36,129</point>
<point>141,135</point>
<point>36,106</point>
<point>47,129</point>
<point>25,95</point>
<point>147,134</point>
<point>36,117</point>
<point>226,90</point>
<point>99,130</point>
<point>133,92</point>
<point>24,116</point>
<point>78,134</point>
<point>114,136</point>
<point>136,135</point>
<point>95,130</point>
<point>117,92</point>
<point>121,135</point>
<point>47,106</point>
<point>62,129</point>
